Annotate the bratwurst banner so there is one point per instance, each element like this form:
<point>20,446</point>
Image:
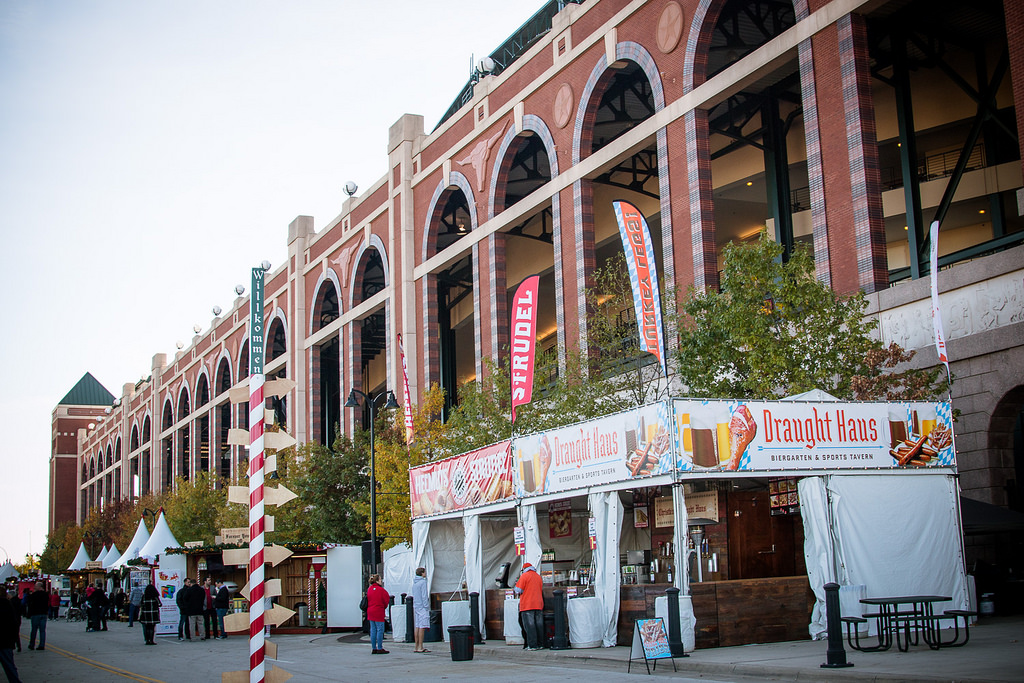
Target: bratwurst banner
<point>773,436</point>
<point>474,478</point>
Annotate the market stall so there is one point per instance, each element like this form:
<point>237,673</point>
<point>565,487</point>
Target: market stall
<point>726,500</point>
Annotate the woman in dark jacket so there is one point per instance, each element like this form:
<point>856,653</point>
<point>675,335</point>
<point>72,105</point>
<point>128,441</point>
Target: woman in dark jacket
<point>149,615</point>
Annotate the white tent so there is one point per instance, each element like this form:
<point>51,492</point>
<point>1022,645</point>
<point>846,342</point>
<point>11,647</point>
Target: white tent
<point>113,555</point>
<point>103,555</point>
<point>7,571</point>
<point>81,557</point>
<point>137,543</point>
<point>160,540</point>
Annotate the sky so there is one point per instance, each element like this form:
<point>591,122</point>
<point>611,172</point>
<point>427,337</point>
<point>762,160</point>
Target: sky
<point>151,153</point>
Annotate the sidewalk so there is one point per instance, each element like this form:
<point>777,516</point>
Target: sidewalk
<point>995,653</point>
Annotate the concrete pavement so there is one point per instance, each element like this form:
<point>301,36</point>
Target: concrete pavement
<point>995,653</point>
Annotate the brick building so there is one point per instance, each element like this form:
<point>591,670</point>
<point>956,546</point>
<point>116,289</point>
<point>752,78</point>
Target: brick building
<point>848,125</point>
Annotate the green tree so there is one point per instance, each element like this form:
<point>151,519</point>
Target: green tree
<point>193,508</point>
<point>775,330</point>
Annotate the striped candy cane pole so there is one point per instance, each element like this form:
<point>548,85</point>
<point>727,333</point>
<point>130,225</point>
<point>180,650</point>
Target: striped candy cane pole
<point>256,512</point>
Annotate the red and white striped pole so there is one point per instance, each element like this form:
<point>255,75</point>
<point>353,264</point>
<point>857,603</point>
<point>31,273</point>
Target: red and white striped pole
<point>257,645</point>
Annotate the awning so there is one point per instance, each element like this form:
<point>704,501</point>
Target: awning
<point>985,518</point>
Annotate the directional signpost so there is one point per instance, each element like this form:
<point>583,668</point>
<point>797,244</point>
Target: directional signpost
<point>257,496</point>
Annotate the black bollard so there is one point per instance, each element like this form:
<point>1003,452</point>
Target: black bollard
<point>675,634</point>
<point>835,656</point>
<point>410,631</point>
<point>560,641</point>
<point>474,617</point>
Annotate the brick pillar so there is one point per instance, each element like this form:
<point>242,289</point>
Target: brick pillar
<point>849,158</point>
<point>493,258</point>
<point>815,171</point>
<point>701,206</point>
<point>578,266</point>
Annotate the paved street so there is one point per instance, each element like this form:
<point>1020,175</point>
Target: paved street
<point>995,653</point>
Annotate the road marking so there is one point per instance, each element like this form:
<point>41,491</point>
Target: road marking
<point>102,666</point>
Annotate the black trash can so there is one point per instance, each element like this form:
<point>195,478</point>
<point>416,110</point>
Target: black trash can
<point>434,633</point>
<point>461,640</point>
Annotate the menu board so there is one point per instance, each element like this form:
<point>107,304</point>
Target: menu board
<point>784,497</point>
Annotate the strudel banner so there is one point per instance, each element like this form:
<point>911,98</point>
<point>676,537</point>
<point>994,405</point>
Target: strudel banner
<point>467,480</point>
<point>780,435</point>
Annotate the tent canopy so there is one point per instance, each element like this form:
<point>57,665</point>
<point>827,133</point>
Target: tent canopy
<point>7,571</point>
<point>137,543</point>
<point>985,518</point>
<point>113,555</point>
<point>160,540</point>
<point>81,557</point>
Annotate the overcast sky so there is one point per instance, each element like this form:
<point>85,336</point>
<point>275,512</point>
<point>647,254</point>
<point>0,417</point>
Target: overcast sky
<point>152,152</point>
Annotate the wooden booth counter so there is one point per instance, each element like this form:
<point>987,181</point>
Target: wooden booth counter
<point>730,613</point>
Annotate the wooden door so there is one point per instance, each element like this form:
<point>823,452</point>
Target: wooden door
<point>760,545</point>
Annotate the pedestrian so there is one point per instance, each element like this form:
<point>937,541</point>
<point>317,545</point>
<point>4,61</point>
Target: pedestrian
<point>195,605</point>
<point>179,600</point>
<point>377,600</point>
<point>54,604</point>
<point>19,611</point>
<point>120,602</point>
<point>209,611</point>
<point>134,603</point>
<point>221,604</point>
<point>149,613</point>
<point>98,604</point>
<point>38,608</point>
<point>531,606</point>
<point>9,621</point>
<point>420,607</point>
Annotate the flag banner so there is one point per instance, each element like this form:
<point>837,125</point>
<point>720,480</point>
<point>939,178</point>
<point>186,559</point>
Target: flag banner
<point>524,341</point>
<point>643,275</point>
<point>405,394</point>
<point>940,339</point>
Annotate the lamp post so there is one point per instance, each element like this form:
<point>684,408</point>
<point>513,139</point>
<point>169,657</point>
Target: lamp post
<point>390,404</point>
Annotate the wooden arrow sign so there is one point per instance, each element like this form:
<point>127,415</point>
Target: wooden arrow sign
<point>279,386</point>
<point>271,589</point>
<point>277,615</point>
<point>239,394</point>
<point>279,496</point>
<point>238,437</point>
<point>277,440</point>
<point>270,464</point>
<point>272,675</point>
<point>238,494</point>
<point>236,622</point>
<point>235,556</point>
<point>276,554</point>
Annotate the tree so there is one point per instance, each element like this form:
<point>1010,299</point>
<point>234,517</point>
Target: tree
<point>775,330</point>
<point>192,509</point>
<point>330,490</point>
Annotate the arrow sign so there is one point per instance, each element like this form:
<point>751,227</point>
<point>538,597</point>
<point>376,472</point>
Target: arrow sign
<point>278,386</point>
<point>238,437</point>
<point>271,589</point>
<point>238,494</point>
<point>279,496</point>
<point>277,440</point>
<point>275,554</point>
<point>272,675</point>
<point>269,462</point>
<point>235,556</point>
<point>239,394</point>
<point>277,615</point>
<point>237,622</point>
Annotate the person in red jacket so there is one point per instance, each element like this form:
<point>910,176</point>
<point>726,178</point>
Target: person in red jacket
<point>531,606</point>
<point>377,601</point>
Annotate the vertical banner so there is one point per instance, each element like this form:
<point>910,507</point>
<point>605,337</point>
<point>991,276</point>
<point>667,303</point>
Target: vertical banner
<point>519,537</point>
<point>257,643</point>
<point>524,341</point>
<point>940,339</point>
<point>167,582</point>
<point>405,394</point>
<point>643,275</point>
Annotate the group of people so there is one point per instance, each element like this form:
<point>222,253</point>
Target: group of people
<point>202,608</point>
<point>376,605</point>
<point>36,606</point>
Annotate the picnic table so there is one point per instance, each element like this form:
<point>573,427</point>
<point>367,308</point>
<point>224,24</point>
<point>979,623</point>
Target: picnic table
<point>907,620</point>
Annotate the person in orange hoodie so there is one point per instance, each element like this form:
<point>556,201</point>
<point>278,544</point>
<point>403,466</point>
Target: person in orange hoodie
<point>531,606</point>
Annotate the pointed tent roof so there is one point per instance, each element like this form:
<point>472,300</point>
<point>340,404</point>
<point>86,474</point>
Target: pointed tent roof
<point>812,395</point>
<point>137,543</point>
<point>88,392</point>
<point>113,555</point>
<point>103,555</point>
<point>7,571</point>
<point>81,558</point>
<point>160,540</point>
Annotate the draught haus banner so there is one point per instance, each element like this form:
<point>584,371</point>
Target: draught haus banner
<point>643,275</point>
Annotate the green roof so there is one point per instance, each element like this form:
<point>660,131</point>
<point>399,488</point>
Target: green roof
<point>88,392</point>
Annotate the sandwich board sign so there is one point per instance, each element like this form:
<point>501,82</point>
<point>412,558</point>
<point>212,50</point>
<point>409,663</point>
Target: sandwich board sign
<point>650,642</point>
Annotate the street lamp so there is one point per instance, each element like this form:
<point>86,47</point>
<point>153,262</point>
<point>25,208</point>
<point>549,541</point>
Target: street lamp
<point>390,404</point>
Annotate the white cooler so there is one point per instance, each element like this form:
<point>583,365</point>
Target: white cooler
<point>687,621</point>
<point>454,613</point>
<point>584,622</point>
<point>513,634</point>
